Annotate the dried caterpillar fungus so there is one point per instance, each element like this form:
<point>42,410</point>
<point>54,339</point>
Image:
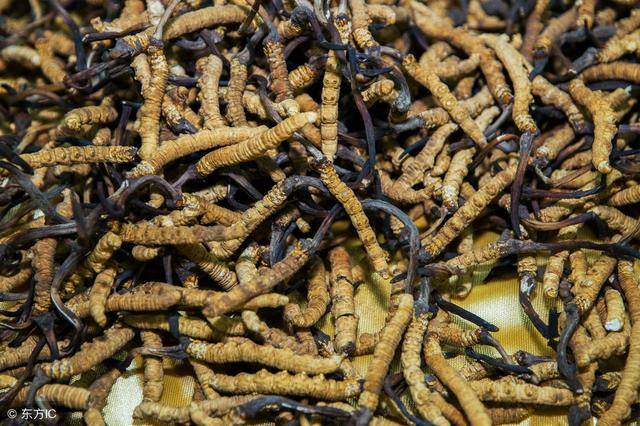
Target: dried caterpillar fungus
<point>170,167</point>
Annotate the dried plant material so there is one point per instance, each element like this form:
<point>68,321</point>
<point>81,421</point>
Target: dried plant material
<point>440,29</point>
<point>208,263</point>
<point>189,144</point>
<point>233,96</point>
<point>166,413</point>
<point>360,20</point>
<point>435,117</point>
<point>246,351</point>
<point>465,214</point>
<point>446,99</point>
<point>329,108</point>
<point>452,181</point>
<point>604,122</point>
<point>473,408</point>
<point>99,294</point>
<point>555,264</point>
<point>18,356</point>
<point>613,343</point>
<point>91,354</point>
<point>551,95</point>
<point>272,336</point>
<point>619,45</point>
<point>533,27</point>
<point>209,97</point>
<point>342,302</point>
<point>612,71</point>
<point>413,374</point>
<point>280,84</point>
<point>255,147</point>
<point>140,299</point>
<point>284,383</point>
<point>615,310</point>
<point>552,32</point>
<point>378,90</point>
<point>508,391</point>
<point>508,415</point>
<point>517,68</point>
<point>352,206</point>
<point>586,291</point>
<point>80,155</point>
<point>426,158</point>
<point>183,24</point>
<point>217,406</point>
<point>51,66</point>
<point>73,397</point>
<point>139,222</point>
<point>153,372</point>
<point>176,112</point>
<point>586,13</point>
<point>624,197</point>
<point>187,326</point>
<point>317,298</point>
<point>383,354</point>
<point>43,264</point>
<point>628,388</point>
<point>224,302</point>
<point>150,112</point>
<point>98,258</point>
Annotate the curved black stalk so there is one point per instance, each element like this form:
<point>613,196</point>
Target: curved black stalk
<point>81,56</point>
<point>394,395</point>
<point>463,313</point>
<point>249,410</point>
<point>36,195</point>
<point>497,363</point>
<point>70,263</point>
<point>526,143</point>
<point>567,369</point>
<point>414,235</point>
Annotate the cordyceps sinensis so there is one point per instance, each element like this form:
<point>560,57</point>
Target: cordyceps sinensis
<point>192,143</point>
<point>552,95</point>
<point>244,350</point>
<point>188,22</point>
<point>280,84</point>
<point>254,147</point>
<point>604,121</point>
<point>442,29</point>
<point>342,301</point>
<point>465,214</point>
<point>353,207</point>
<point>331,92</point>
<point>446,99</point>
<point>266,280</point>
<point>285,383</point>
<point>468,400</point>
<point>72,397</point>
<point>151,109</point>
<point>91,354</point>
<point>556,26</point>
<point>382,356</point>
<point>317,298</point>
<point>175,234</point>
<point>80,155</point>
<point>627,391</point>
<point>209,98</point>
<point>517,67</point>
<point>423,398</point>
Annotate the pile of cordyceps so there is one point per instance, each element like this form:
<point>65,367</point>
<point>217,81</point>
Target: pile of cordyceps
<point>180,180</point>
